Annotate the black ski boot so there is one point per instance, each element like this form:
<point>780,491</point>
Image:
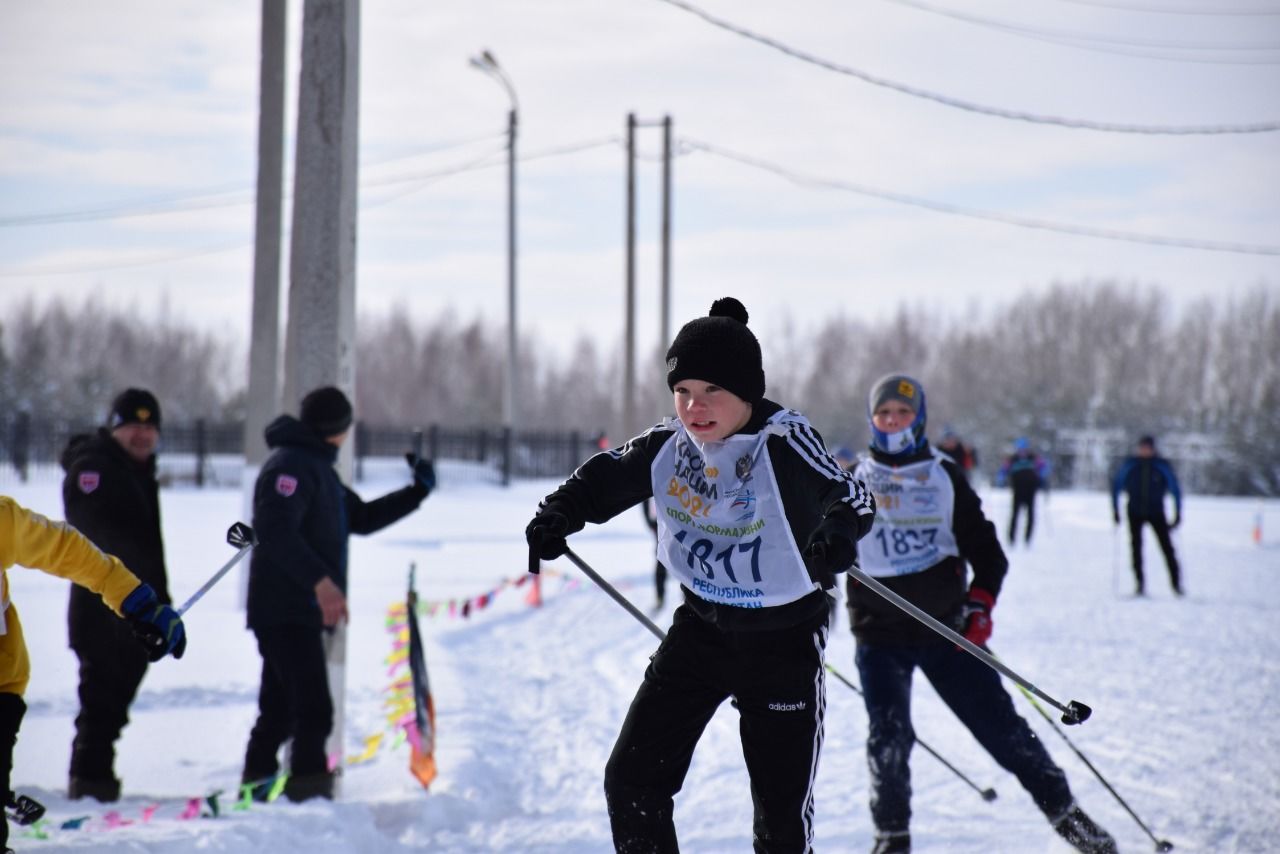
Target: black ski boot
<point>1081,831</point>
<point>104,791</point>
<point>307,786</point>
<point>897,842</point>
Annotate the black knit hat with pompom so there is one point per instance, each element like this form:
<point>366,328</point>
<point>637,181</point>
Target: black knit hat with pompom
<point>719,349</point>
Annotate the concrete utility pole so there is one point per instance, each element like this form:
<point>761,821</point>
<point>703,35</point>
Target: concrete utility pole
<point>486,62</point>
<point>629,425</point>
<point>320,347</point>
<point>263,402</point>
<point>629,335</point>
<point>664,324</point>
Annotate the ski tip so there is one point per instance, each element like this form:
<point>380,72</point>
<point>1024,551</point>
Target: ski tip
<point>1076,713</point>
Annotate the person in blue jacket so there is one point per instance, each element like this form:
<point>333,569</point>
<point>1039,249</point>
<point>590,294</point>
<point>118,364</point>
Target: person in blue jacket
<point>1146,477</point>
<point>302,515</point>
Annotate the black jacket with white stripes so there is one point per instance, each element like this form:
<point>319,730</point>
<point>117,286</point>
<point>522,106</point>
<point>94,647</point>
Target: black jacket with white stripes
<point>811,485</point>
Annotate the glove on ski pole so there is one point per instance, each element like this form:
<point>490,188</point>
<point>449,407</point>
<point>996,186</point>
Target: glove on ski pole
<point>243,538</point>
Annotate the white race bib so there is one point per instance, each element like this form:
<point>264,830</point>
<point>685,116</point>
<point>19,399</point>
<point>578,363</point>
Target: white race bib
<point>723,531</point>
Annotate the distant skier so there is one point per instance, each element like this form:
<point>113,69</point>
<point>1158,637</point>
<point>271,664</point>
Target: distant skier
<point>755,517</point>
<point>929,524</point>
<point>1146,477</point>
<point>1026,473</point>
<point>964,454</point>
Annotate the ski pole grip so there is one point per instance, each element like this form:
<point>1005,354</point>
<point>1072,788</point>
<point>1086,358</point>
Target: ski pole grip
<point>535,555</point>
<point>1076,713</point>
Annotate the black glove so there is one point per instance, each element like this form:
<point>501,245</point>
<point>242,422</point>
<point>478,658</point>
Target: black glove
<point>829,550</point>
<point>424,473</point>
<point>546,535</point>
<point>157,626</point>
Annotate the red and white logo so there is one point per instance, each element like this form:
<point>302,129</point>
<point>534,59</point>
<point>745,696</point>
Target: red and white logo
<point>286,485</point>
<point>88,481</point>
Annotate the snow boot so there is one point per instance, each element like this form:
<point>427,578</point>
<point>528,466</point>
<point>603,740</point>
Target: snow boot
<point>104,791</point>
<point>896,842</point>
<point>1081,831</point>
<point>307,786</point>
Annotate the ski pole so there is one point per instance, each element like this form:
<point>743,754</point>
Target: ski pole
<point>239,535</point>
<point>1073,713</point>
<point>987,794</point>
<point>612,591</point>
<point>1162,845</point>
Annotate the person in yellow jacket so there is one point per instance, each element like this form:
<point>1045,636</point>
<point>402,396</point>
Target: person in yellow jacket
<point>29,539</point>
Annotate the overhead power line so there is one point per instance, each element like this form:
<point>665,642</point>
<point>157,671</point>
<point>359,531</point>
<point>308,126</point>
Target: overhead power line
<point>1165,10</point>
<point>422,179</point>
<point>206,200</point>
<point>973,213</point>
<point>1083,124</point>
<point>1106,43</point>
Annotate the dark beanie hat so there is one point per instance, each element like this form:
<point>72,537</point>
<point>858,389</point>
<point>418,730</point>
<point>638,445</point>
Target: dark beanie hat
<point>326,411</point>
<point>134,406</point>
<point>719,349</point>
<point>1149,441</point>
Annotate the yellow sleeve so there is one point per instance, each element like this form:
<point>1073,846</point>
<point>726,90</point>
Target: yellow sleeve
<point>31,540</point>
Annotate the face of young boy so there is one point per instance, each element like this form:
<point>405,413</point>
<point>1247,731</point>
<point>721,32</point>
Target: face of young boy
<point>893,416</point>
<point>710,413</point>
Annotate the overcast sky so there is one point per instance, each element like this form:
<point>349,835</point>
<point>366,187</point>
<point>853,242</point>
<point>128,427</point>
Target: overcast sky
<point>105,107</point>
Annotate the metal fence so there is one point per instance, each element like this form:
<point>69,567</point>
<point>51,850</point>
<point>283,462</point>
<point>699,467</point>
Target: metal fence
<point>205,453</point>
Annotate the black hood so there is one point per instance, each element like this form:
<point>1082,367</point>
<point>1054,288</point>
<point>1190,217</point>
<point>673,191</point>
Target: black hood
<point>287,431</point>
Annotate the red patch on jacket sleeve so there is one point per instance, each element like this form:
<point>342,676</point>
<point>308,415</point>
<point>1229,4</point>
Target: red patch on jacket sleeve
<point>88,481</point>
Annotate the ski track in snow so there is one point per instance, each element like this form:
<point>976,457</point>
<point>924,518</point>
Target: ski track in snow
<point>529,701</point>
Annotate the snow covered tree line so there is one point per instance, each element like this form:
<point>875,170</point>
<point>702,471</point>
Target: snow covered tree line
<point>1082,355</point>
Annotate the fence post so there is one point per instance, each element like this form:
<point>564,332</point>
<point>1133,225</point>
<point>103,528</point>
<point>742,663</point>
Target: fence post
<point>201,452</point>
<point>20,450</point>
<point>416,444</point>
<point>507,439</point>
<point>482,445</point>
<point>575,444</point>
<point>362,448</point>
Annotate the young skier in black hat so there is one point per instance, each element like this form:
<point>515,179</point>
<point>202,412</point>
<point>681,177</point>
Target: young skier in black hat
<point>755,517</point>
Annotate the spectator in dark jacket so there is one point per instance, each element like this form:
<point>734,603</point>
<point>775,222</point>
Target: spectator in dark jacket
<point>111,495</point>
<point>929,524</point>
<point>302,514</point>
<point>1026,473</point>
<point>1146,477</point>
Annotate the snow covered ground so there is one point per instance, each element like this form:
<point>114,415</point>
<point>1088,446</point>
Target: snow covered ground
<point>529,700</point>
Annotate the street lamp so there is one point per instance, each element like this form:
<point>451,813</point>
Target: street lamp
<point>486,63</point>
